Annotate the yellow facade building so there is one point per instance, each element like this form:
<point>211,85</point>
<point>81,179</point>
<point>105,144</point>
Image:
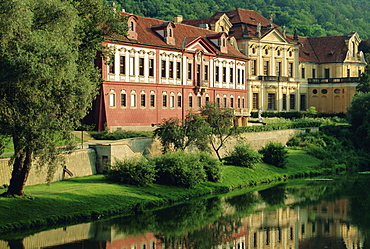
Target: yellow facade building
<point>291,73</point>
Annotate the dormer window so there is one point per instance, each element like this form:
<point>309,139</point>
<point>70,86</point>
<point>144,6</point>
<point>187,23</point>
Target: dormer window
<point>131,33</point>
<point>165,30</point>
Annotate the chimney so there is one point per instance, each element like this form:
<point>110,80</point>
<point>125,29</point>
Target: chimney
<point>178,19</point>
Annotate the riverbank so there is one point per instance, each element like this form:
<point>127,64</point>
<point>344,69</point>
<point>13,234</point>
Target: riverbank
<point>90,198</point>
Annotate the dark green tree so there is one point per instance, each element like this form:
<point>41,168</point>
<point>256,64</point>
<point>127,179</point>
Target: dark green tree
<point>359,117</point>
<point>176,134</point>
<point>47,78</point>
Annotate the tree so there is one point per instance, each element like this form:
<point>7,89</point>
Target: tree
<point>364,83</point>
<point>47,78</point>
<point>359,117</point>
<point>223,127</point>
<point>176,134</point>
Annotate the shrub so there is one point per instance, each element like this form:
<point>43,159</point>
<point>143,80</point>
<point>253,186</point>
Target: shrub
<point>105,135</point>
<point>243,155</point>
<point>212,167</point>
<point>179,169</point>
<point>135,171</point>
<point>275,154</point>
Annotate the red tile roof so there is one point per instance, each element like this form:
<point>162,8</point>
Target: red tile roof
<point>327,49</point>
<point>182,33</point>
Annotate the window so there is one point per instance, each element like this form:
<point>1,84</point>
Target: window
<point>327,73</point>
<point>172,101</point>
<point>242,71</point>
<point>152,100</point>
<point>223,74</point>
<point>164,100</point>
<point>163,68</point>
<point>271,101</point>
<point>231,102</point>
<point>141,66</point>
<point>122,68</point>
<point>142,100</point>
<point>205,72</point>
<point>243,103</point>
<point>207,99</point>
<point>292,101</point>
<point>348,73</point>
<point>313,73</point>
<point>151,67</point>
<point>266,68</point>
<point>254,67</point>
<point>170,70</point>
<point>111,65</point>
<point>190,101</point>
<point>198,75</point>
<point>133,99</point>
<point>112,99</point>
<point>239,102</point>
<point>132,66</point>
<point>290,69</point>
<point>359,73</point>
<point>199,102</point>
<point>284,102</point>
<point>190,71</point>
<point>314,91</point>
<point>324,91</point>
<point>278,68</point>
<point>255,101</point>
<point>303,73</point>
<point>178,70</point>
<point>238,76</point>
<point>303,102</point>
<point>217,73</point>
<point>132,26</point>
<point>218,101</point>
<point>225,102</point>
<point>123,100</point>
<point>179,101</point>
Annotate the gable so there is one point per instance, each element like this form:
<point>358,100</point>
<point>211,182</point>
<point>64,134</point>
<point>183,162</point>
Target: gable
<point>274,37</point>
<point>200,44</point>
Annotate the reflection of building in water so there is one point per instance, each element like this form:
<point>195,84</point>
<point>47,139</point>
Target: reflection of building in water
<point>321,226</point>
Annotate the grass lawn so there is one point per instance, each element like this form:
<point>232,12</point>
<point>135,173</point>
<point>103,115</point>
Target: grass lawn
<point>88,198</point>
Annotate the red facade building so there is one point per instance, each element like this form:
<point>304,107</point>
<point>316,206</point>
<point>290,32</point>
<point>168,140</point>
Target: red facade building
<point>164,69</point>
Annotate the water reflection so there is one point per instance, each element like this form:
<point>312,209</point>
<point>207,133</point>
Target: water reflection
<point>297,214</point>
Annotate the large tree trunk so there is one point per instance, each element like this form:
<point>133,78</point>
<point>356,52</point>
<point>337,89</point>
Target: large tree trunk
<point>21,170</point>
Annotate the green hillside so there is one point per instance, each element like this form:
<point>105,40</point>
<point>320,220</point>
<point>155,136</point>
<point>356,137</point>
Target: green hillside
<point>309,17</point>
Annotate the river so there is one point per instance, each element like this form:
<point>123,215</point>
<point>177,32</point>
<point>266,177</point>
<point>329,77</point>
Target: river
<point>331,213</point>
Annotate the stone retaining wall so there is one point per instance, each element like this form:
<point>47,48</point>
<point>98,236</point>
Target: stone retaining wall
<point>95,159</point>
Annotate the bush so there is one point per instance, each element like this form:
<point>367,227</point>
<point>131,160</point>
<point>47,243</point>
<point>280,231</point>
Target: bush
<point>134,171</point>
<point>105,135</point>
<point>212,167</point>
<point>180,169</point>
<point>275,154</point>
<point>243,155</point>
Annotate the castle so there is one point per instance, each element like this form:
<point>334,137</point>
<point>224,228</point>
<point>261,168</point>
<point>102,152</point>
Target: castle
<point>237,59</point>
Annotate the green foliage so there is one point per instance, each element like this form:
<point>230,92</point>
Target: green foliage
<point>212,167</point>
<point>116,135</point>
<point>4,140</point>
<point>134,171</point>
<point>175,134</point>
<point>221,123</point>
<point>243,155</point>
<point>359,116</point>
<point>275,154</point>
<point>180,169</point>
<point>48,80</point>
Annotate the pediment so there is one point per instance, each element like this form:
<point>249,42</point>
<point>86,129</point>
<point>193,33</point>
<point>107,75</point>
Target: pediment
<point>274,37</point>
<point>199,44</point>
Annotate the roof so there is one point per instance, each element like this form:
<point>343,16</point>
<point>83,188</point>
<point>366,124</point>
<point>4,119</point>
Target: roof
<point>182,33</point>
<point>326,49</point>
